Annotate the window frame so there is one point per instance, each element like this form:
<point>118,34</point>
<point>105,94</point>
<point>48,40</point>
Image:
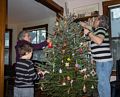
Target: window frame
<point>37,27</point>
<point>10,46</point>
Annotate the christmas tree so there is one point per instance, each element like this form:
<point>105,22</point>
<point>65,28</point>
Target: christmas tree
<point>71,73</point>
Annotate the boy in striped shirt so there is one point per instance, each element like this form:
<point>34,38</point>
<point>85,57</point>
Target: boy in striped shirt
<point>25,72</point>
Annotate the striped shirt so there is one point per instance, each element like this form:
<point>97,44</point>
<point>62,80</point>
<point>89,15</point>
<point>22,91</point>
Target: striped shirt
<point>25,74</point>
<point>101,53</point>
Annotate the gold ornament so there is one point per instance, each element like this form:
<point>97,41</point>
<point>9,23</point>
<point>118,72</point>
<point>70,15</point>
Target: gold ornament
<point>67,64</point>
<point>68,78</point>
<point>68,59</point>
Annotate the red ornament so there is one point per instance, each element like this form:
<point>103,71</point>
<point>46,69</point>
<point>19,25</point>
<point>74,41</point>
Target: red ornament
<point>54,33</point>
<point>81,50</point>
<point>50,45</point>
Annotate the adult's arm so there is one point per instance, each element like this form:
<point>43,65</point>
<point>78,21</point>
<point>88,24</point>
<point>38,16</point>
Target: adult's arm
<point>96,38</point>
<point>40,45</point>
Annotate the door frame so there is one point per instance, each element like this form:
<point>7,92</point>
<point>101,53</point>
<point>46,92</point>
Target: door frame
<point>109,3</point>
<point>3,19</point>
<point>105,5</point>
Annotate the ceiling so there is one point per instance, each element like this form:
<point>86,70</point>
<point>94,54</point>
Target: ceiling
<point>20,11</point>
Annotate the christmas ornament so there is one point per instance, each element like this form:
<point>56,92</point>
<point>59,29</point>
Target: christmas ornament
<point>53,67</point>
<point>84,89</point>
<point>63,83</point>
<point>42,86</point>
<point>92,87</point>
<point>63,51</point>
<point>81,33</point>
<point>71,83</point>
<point>68,59</point>
<point>68,78</point>
<point>73,54</point>
<point>60,70</point>
<point>56,23</point>
<point>83,70</point>
<point>68,91</point>
<point>54,33</point>
<point>93,73</point>
<point>77,65</point>
<point>62,61</point>
<point>67,64</point>
<point>85,77</point>
<point>81,50</point>
<point>81,43</point>
<point>50,45</point>
<point>53,52</point>
<point>65,44</point>
<point>85,44</point>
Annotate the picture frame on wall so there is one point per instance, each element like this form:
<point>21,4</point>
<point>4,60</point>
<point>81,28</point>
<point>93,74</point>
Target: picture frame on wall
<point>87,10</point>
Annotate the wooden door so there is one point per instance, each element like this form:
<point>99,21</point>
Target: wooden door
<point>109,3</point>
<point>2,30</point>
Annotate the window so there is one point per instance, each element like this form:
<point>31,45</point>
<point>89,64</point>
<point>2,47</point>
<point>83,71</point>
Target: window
<point>115,32</point>
<point>115,21</point>
<point>8,47</point>
<point>38,34</point>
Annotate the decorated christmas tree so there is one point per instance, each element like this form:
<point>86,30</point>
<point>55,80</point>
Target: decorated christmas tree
<point>71,73</point>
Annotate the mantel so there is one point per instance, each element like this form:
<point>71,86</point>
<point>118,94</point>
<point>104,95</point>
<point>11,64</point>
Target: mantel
<point>84,18</point>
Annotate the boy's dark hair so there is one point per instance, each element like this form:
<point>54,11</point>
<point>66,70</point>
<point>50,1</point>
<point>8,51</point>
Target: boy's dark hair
<point>23,48</point>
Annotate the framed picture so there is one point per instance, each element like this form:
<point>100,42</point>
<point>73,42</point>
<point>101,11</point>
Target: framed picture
<point>87,10</point>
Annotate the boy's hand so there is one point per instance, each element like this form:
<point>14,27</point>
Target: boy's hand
<point>42,73</point>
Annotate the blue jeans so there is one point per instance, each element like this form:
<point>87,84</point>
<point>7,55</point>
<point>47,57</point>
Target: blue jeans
<point>104,70</point>
<point>23,92</point>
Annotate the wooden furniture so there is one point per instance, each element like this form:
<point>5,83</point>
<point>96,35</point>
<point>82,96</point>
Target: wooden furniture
<point>84,18</point>
<point>8,86</point>
<point>115,85</point>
